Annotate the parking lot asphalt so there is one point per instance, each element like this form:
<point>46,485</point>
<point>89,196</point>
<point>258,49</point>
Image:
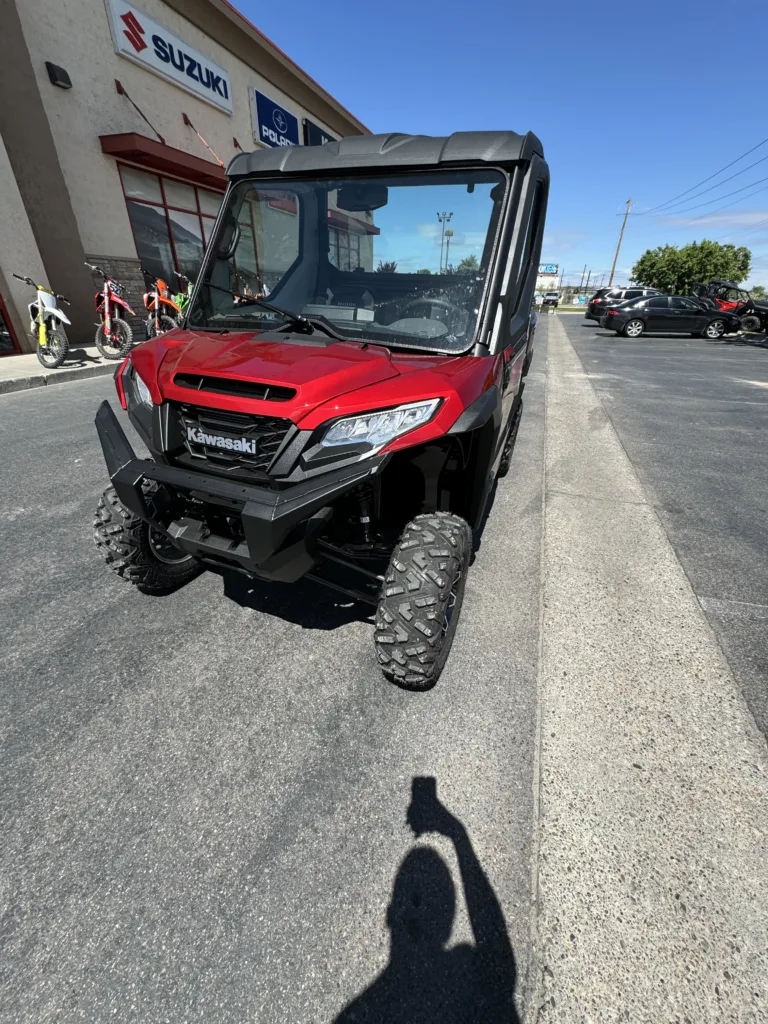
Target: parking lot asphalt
<point>204,797</point>
<point>692,415</point>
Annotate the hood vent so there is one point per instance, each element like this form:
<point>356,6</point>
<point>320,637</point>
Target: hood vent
<point>234,388</point>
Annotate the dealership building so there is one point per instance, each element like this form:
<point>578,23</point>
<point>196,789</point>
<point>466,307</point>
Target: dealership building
<point>116,124</point>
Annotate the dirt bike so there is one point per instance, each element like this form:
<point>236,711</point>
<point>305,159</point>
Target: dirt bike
<point>45,317</point>
<point>164,313</point>
<point>114,336</point>
<point>182,297</point>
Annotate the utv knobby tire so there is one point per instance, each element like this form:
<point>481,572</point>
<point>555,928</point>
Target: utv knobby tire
<point>55,352</point>
<point>125,340</point>
<point>421,599</point>
<point>124,542</point>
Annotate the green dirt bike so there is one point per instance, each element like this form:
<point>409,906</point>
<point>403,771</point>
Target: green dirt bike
<point>182,298</point>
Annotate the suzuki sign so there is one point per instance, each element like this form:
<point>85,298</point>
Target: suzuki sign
<point>145,42</point>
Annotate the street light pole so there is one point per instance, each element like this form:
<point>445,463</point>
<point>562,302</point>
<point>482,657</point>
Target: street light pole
<point>621,235</point>
<point>444,219</point>
<point>448,237</point>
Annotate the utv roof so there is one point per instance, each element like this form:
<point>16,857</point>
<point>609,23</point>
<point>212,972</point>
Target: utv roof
<point>395,151</point>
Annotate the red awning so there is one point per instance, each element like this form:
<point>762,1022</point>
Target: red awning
<point>149,153</point>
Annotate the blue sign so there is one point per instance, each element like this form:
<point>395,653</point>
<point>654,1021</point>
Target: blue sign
<point>548,268</point>
<point>314,135</point>
<point>275,126</point>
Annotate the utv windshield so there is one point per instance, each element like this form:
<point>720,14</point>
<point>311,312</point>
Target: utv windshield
<point>396,260</point>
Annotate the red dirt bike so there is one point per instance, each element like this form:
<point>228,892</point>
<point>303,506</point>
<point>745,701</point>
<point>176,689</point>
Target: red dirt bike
<point>113,335</point>
<point>164,313</point>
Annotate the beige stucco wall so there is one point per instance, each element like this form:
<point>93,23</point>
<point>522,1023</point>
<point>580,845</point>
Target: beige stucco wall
<point>75,34</point>
<point>18,253</point>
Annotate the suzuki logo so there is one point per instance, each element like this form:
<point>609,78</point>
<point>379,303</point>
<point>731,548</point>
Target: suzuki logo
<point>134,31</point>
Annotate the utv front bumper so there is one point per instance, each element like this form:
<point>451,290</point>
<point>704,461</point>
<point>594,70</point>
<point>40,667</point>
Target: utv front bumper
<point>280,527</point>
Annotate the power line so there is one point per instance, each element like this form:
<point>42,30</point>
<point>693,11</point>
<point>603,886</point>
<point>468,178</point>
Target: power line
<point>704,192</point>
<point>709,202</point>
<point>711,176</point>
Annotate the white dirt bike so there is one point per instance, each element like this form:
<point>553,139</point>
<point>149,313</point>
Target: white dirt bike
<point>45,320</point>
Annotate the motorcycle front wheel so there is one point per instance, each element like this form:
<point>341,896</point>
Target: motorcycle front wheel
<point>167,323</point>
<point>54,352</point>
<point>118,344</point>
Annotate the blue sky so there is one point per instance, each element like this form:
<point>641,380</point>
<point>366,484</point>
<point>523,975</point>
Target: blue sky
<point>639,101</point>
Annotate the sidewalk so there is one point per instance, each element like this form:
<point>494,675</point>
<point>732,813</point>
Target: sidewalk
<point>652,866</point>
<point>17,373</point>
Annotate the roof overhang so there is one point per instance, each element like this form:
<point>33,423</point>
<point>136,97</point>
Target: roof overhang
<point>138,149</point>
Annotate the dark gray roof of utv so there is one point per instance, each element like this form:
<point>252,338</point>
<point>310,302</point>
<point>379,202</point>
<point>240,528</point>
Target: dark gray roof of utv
<point>396,152</point>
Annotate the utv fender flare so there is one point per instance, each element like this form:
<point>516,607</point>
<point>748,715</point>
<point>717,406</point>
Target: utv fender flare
<point>483,409</point>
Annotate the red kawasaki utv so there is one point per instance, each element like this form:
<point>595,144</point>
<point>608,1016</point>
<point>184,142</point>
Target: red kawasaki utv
<point>725,295</point>
<point>340,404</point>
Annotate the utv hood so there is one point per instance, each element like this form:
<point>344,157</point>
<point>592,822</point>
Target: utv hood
<point>316,368</point>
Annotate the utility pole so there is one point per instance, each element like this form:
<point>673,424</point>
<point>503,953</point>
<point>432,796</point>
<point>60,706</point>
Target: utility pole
<point>444,219</point>
<point>581,282</point>
<point>621,235</point>
<point>560,287</point>
<point>586,289</point>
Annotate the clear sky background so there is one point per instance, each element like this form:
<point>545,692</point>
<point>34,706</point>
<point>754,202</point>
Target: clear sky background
<point>640,101</point>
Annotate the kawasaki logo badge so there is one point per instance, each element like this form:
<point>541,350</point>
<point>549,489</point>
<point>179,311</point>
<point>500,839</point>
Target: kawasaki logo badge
<point>230,444</point>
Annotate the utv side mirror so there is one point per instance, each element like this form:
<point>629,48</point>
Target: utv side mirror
<point>362,198</point>
<point>229,238</point>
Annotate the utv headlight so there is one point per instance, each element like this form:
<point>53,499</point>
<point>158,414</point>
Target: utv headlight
<point>142,391</point>
<point>379,428</point>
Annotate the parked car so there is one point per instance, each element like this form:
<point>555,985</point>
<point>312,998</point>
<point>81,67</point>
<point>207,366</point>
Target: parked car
<point>551,299</point>
<point>668,314</point>
<point>605,297</point>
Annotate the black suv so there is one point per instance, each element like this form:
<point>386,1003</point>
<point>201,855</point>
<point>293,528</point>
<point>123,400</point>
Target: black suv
<point>605,297</point>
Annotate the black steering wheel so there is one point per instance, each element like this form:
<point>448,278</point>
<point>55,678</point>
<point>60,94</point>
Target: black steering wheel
<point>451,309</point>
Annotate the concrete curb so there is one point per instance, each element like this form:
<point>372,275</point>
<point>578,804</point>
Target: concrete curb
<point>60,376</point>
<point>652,860</point>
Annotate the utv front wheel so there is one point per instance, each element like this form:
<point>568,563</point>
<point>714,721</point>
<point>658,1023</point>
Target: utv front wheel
<point>421,599</point>
<point>138,552</point>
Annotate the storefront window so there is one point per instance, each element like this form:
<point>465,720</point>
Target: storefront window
<point>7,343</point>
<point>343,249</point>
<point>171,222</point>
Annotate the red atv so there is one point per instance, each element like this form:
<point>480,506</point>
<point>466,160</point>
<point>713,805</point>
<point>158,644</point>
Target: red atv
<point>725,295</point>
<point>341,403</point>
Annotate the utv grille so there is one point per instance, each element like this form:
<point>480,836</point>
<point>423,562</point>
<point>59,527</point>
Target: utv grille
<point>206,431</point>
<point>238,388</point>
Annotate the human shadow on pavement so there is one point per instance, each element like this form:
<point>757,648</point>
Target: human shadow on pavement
<point>425,982</point>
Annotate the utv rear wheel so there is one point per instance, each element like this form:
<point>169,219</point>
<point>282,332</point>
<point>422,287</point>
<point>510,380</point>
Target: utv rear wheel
<point>509,447</point>
<point>118,344</point>
<point>421,599</point>
<point>138,552</point>
<point>750,323</point>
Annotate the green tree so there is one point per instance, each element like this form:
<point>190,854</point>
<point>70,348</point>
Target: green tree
<point>424,270</point>
<point>387,267</point>
<point>758,292</point>
<point>468,265</point>
<point>674,270</point>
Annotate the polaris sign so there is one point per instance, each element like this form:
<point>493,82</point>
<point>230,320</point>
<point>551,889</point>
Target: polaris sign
<point>145,42</point>
<point>273,124</point>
